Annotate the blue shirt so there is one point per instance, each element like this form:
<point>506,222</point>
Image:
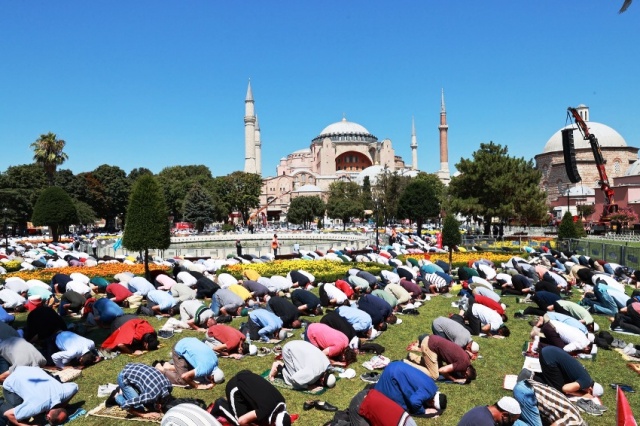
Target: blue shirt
<point>107,309</point>
<point>359,319</point>
<point>407,386</point>
<point>198,354</point>
<point>139,285</point>
<point>162,298</point>
<point>39,391</point>
<point>568,320</point>
<point>377,308</point>
<point>36,290</point>
<point>268,321</point>
<point>5,316</point>
<point>71,346</point>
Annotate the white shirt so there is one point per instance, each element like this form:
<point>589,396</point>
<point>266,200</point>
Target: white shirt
<point>334,292</point>
<point>487,316</point>
<point>78,287</point>
<point>280,283</point>
<point>392,277</point>
<point>610,281</point>
<point>11,299</point>
<point>488,271</point>
<point>225,280</point>
<point>186,278</point>
<point>574,338</point>
<point>77,276</point>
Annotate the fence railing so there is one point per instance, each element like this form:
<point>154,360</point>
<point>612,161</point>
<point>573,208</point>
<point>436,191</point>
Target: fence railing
<point>620,253</point>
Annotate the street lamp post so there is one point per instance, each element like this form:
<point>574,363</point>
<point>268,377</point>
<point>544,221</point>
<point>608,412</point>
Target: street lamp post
<point>6,237</point>
<point>377,224</point>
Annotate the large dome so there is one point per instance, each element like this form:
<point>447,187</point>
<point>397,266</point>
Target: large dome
<point>344,127</point>
<point>607,138</point>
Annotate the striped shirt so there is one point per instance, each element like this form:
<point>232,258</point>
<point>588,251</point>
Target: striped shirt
<point>554,407</point>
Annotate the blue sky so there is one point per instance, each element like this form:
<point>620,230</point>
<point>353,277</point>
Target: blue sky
<point>162,83</point>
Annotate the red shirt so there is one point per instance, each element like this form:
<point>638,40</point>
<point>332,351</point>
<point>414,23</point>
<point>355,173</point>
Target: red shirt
<point>450,353</point>
<point>118,291</point>
<point>323,337</point>
<point>411,287</point>
<point>226,335</point>
<point>489,303</point>
<point>380,410</point>
<point>131,331</point>
<point>345,287</point>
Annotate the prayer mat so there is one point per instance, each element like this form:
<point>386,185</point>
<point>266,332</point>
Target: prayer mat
<point>118,413</point>
<point>280,383</point>
<point>66,375</point>
<point>634,367</point>
<point>622,331</point>
<point>626,357</point>
<point>276,341</point>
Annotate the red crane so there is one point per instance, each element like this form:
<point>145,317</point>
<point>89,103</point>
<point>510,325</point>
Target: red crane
<point>610,206</point>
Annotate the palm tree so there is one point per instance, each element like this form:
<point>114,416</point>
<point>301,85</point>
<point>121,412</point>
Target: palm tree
<point>47,151</point>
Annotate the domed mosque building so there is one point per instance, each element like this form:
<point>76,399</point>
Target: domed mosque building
<point>621,165</point>
<point>342,151</point>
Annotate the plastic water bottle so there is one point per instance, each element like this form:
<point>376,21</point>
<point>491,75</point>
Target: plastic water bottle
<point>248,339</point>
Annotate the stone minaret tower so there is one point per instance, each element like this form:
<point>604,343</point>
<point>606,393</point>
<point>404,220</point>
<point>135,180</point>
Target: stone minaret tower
<point>258,148</point>
<point>414,145</point>
<point>249,133</point>
<point>443,174</point>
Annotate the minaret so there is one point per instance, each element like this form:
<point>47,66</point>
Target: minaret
<point>443,173</point>
<point>258,148</point>
<point>249,133</point>
<point>414,145</point>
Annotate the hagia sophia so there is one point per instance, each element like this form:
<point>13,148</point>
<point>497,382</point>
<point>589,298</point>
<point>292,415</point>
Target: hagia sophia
<point>342,151</point>
<point>347,151</point>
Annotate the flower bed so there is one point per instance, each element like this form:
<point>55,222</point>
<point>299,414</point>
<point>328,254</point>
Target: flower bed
<point>105,270</point>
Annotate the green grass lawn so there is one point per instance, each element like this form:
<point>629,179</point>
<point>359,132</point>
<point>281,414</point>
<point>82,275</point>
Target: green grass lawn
<point>499,357</point>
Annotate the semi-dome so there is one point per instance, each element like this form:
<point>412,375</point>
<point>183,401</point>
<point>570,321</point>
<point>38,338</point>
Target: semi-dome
<point>308,188</point>
<point>633,169</point>
<point>607,138</point>
<point>372,172</point>
<point>577,191</point>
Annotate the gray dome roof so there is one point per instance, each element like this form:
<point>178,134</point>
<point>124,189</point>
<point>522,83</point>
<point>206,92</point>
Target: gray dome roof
<point>607,138</point>
<point>308,188</point>
<point>634,169</point>
<point>579,191</point>
<point>372,172</point>
<point>344,127</point>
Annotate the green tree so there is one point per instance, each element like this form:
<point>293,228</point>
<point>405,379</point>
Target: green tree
<point>451,234</point>
<point>86,215</point>
<point>344,201</point>
<point>55,209</point>
<point>303,210</point>
<point>239,191</point>
<point>147,225</point>
<point>176,182</point>
<point>580,231</point>
<point>109,193</point>
<point>493,184</point>
<point>20,187</point>
<point>586,210</point>
<point>198,207</point>
<point>567,228</point>
<point>48,153</point>
<point>388,188</point>
<point>367,194</point>
<point>420,199</point>
<point>137,172</point>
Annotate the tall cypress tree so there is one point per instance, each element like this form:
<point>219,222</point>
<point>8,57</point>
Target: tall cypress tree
<point>147,225</point>
<point>451,234</point>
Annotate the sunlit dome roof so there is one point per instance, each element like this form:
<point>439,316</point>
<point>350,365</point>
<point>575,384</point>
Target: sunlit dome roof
<point>308,188</point>
<point>607,138</point>
<point>634,169</point>
<point>372,172</point>
<point>580,191</point>
<point>344,127</point>
<point>302,151</point>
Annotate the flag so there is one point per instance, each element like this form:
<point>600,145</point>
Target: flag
<point>624,415</point>
<point>117,244</point>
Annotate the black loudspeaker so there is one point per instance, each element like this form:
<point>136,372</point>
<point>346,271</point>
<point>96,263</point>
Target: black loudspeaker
<point>570,156</point>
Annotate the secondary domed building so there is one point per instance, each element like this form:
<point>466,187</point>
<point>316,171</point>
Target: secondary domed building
<point>617,155</point>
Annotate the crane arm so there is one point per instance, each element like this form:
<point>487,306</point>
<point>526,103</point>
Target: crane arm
<point>610,206</point>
